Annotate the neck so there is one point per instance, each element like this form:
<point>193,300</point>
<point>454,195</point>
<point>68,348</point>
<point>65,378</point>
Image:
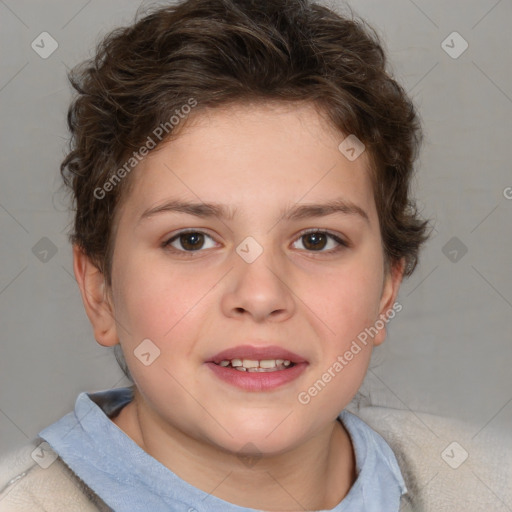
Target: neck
<point>316,475</point>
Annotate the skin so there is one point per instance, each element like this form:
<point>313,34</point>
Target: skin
<point>255,160</point>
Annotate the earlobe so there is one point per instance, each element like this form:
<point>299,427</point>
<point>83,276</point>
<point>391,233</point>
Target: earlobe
<point>98,307</point>
<point>387,307</point>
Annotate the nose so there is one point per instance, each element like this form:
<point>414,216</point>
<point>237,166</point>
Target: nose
<point>258,290</point>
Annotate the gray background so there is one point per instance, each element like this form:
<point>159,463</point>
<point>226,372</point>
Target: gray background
<point>450,349</point>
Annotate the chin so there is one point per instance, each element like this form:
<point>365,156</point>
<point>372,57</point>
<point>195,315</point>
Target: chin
<point>269,437</point>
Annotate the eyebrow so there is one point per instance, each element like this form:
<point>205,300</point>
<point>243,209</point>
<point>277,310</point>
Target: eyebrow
<point>296,212</point>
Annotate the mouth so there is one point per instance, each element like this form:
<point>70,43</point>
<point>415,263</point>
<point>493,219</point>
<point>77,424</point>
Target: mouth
<point>257,368</point>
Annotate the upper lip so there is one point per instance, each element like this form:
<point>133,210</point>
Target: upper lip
<point>256,353</point>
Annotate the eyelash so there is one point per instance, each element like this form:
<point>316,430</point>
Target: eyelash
<point>342,244</point>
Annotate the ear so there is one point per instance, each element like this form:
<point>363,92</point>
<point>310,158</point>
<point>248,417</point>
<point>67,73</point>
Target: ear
<point>96,298</point>
<point>388,307</point>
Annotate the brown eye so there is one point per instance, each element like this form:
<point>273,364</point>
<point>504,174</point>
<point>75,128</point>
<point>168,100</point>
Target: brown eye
<point>314,241</point>
<point>190,241</point>
<point>320,241</point>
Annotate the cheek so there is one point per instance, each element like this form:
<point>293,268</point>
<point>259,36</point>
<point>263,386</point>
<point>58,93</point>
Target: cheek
<point>149,299</point>
<point>162,302</point>
<point>348,308</point>
<point>157,304</point>
<point>348,301</point>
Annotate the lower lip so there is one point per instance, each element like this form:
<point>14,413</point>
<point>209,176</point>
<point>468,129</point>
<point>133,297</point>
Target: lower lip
<point>257,381</point>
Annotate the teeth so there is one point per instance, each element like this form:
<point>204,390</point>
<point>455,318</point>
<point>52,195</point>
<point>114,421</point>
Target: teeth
<point>253,365</point>
<point>264,370</point>
<point>250,363</point>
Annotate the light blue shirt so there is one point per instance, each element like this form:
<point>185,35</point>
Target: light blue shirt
<point>128,479</point>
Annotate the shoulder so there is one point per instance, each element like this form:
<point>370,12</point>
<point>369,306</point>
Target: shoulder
<point>446,463</point>
<point>33,478</point>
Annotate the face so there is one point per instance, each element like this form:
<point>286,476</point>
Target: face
<point>250,237</point>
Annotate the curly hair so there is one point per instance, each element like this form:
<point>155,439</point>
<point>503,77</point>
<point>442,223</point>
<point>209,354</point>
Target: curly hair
<point>218,52</point>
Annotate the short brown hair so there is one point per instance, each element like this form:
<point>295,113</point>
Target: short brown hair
<point>231,51</point>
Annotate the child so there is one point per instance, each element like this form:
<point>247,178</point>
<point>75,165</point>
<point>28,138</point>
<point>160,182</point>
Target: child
<point>240,171</point>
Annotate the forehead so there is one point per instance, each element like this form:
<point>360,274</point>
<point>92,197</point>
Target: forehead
<point>243,154</point>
